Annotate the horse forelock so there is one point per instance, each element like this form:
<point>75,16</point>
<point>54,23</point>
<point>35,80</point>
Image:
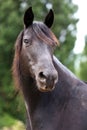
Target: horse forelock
<point>44,33</point>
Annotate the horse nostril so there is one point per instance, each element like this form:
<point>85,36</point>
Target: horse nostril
<point>41,75</point>
<point>46,80</point>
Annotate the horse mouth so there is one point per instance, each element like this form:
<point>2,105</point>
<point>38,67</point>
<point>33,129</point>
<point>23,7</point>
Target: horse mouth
<point>44,87</point>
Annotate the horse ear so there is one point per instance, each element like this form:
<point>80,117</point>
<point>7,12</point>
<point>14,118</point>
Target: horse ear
<point>49,18</point>
<point>28,17</point>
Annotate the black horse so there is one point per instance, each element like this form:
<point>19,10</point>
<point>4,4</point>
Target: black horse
<point>55,98</point>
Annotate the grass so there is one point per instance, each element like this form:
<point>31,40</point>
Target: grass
<point>9,123</point>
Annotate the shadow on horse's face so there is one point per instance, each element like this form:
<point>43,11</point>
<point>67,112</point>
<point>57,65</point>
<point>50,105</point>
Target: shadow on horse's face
<point>38,55</point>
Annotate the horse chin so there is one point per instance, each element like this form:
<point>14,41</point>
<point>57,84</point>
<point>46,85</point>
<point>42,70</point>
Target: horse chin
<point>44,88</point>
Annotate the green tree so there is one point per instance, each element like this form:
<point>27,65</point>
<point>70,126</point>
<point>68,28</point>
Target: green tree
<point>83,63</point>
<point>11,23</point>
<point>10,26</point>
<point>65,29</point>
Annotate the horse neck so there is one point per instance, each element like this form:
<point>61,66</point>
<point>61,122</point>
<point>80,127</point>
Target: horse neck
<point>64,74</point>
<point>34,98</point>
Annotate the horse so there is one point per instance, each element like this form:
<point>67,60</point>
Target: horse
<point>55,99</point>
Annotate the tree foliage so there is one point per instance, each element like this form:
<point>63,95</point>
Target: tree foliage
<point>11,23</point>
<point>83,63</point>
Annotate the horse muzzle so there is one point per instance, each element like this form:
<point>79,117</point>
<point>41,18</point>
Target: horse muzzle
<point>46,80</point>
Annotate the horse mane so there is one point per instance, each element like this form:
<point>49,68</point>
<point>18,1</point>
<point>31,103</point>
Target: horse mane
<point>16,62</point>
<point>44,33</point>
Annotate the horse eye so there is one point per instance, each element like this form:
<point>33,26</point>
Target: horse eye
<point>27,42</point>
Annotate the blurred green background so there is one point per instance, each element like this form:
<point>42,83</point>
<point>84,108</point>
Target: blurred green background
<point>12,109</point>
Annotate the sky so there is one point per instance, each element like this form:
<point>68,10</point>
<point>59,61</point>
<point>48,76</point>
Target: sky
<point>81,25</point>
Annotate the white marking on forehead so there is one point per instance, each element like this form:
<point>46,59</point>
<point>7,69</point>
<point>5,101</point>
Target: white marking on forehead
<point>37,22</point>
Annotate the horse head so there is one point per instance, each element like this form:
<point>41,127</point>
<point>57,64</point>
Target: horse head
<point>38,43</point>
